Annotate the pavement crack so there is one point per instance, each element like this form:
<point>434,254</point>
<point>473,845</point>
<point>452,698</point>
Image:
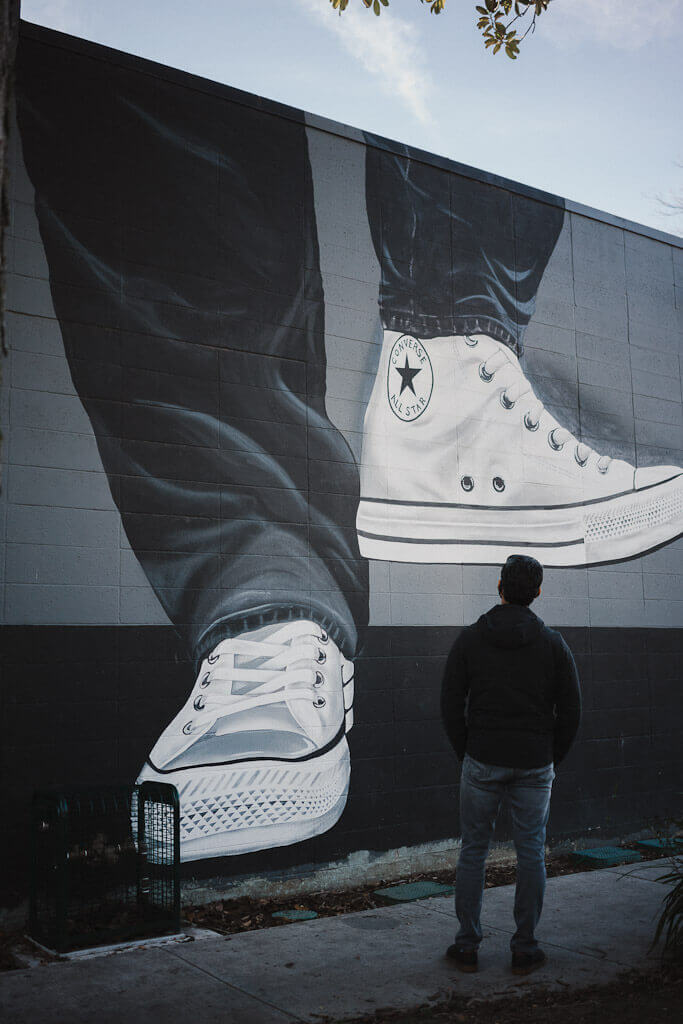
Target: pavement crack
<point>237,988</point>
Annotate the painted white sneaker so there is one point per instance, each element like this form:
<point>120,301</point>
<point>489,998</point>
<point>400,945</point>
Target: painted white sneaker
<point>462,463</point>
<point>258,753</point>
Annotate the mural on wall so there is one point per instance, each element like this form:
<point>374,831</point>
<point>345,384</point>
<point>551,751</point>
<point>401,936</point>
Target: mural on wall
<point>461,460</point>
<point>180,231</point>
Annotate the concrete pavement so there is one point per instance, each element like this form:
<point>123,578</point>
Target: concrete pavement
<point>594,926</point>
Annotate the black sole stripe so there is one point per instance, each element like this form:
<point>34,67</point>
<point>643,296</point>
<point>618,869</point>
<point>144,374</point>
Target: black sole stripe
<point>476,543</point>
<point>251,760</point>
<point>517,508</point>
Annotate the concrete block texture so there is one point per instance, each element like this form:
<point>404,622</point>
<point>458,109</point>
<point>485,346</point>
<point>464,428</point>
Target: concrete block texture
<point>662,332</point>
<point>29,446</point>
<point>59,604</point>
<point>36,371</point>
<point>606,323</point>
<point>594,240</point>
<point>656,410</point>
<point>61,564</point>
<point>34,334</point>
<point>4,406</point>
<point>600,350</point>
<point>30,295</point>
<point>31,485</point>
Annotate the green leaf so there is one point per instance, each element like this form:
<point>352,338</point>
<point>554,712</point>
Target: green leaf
<point>377,8</point>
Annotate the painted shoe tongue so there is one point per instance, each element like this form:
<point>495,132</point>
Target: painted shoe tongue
<point>274,717</point>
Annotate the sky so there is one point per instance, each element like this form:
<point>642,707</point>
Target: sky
<point>591,109</point>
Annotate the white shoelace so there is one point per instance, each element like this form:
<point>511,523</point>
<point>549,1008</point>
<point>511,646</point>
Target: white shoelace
<point>285,672</point>
<point>558,436</point>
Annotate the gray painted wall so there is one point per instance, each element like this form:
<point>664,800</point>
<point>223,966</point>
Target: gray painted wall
<point>603,351</point>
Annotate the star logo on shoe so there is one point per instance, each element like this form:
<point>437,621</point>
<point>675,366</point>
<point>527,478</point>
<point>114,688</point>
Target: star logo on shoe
<point>410,378</point>
<point>407,373</point>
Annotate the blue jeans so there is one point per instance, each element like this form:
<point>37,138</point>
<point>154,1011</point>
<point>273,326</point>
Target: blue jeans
<point>482,789</point>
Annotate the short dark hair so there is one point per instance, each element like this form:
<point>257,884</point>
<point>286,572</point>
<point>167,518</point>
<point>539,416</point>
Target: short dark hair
<point>520,578</point>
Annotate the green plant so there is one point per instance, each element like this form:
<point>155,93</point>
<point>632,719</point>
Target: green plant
<point>496,18</point>
<point>670,924</point>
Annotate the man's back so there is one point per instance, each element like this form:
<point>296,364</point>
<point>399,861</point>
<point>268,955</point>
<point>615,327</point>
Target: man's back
<point>510,692</point>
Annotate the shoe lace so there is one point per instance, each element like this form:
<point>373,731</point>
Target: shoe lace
<point>519,388</point>
<point>242,674</point>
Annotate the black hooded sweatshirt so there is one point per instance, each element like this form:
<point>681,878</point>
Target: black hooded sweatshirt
<point>510,693</point>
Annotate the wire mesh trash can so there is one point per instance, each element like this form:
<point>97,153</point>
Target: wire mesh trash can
<point>105,865</point>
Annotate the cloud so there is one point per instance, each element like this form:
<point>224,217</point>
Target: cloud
<point>387,47</point>
<point>622,24</point>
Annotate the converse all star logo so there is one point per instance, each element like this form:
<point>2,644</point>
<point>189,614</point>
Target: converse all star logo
<point>410,378</point>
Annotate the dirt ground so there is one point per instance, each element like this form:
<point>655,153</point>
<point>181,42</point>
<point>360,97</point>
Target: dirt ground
<point>248,913</point>
<point>655,997</point>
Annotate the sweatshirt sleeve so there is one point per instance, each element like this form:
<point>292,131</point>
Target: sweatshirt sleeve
<point>454,689</point>
<point>567,700</point>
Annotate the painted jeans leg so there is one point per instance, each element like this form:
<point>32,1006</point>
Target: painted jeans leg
<point>529,798</point>
<point>480,796</point>
<point>181,240</point>
<point>457,255</point>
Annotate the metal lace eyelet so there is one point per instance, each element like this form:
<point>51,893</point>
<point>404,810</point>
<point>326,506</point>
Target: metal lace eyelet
<point>324,636</point>
<point>581,462</point>
<point>319,702</point>
<point>498,483</point>
<point>505,401</point>
<point>322,657</point>
<point>553,443</point>
<point>603,469</point>
<point>187,729</point>
<point>319,679</point>
<point>484,373</point>
<point>199,702</point>
<point>213,658</point>
<point>529,423</point>
<point>467,483</point>
<point>206,680</point>
<point>472,342</point>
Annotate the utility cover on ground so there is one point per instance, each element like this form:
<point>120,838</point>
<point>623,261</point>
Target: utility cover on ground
<point>607,856</point>
<point>413,891</point>
<point>295,915</point>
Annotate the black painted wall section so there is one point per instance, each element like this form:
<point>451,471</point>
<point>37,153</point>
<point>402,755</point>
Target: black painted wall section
<point>83,705</point>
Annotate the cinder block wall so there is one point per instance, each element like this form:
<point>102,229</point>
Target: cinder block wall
<point>93,668</point>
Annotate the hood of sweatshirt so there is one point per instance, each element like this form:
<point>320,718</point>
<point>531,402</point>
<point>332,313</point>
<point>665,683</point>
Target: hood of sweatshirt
<point>510,625</point>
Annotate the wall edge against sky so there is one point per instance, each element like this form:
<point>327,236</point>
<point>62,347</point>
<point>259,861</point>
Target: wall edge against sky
<point>188,80</point>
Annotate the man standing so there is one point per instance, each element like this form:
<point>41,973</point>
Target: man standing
<point>511,706</point>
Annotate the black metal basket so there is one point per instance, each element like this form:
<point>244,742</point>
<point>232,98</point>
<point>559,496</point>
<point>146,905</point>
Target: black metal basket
<point>105,865</point>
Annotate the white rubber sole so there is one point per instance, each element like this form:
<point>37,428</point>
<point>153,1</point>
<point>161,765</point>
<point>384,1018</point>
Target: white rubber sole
<point>242,808</point>
<point>606,531</point>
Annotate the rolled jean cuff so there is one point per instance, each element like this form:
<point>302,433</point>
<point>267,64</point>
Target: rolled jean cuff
<point>426,327</point>
<point>343,634</point>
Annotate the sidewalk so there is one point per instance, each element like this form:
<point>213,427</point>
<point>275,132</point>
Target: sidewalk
<point>594,926</point>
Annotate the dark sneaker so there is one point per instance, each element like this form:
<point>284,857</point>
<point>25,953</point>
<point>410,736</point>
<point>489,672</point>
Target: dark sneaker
<point>525,963</point>
<point>465,959</point>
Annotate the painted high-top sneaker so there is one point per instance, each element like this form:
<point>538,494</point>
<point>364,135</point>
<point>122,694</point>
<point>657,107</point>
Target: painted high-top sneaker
<point>258,753</point>
<point>462,463</point>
